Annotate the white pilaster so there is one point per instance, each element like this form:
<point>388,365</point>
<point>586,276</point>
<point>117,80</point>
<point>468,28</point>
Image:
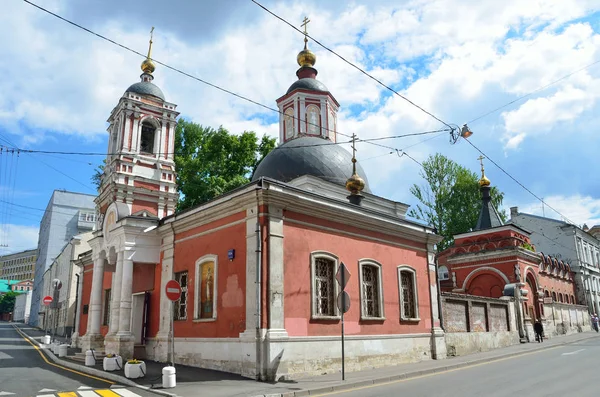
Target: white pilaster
<point>165,311</point>
<point>116,296</point>
<point>438,341</point>
<point>93,338</point>
<point>126,289</point>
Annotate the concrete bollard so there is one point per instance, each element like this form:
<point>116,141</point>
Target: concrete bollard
<point>62,350</point>
<point>46,339</point>
<point>90,361</point>
<point>168,377</point>
<point>55,347</point>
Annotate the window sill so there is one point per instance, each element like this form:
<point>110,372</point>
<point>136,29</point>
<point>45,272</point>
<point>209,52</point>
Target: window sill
<point>372,318</point>
<point>410,320</point>
<point>326,318</point>
<point>205,320</point>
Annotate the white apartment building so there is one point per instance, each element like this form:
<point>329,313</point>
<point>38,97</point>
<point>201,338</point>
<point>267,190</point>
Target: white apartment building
<point>572,245</point>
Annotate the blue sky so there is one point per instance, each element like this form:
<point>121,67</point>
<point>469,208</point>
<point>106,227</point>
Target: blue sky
<point>458,59</point>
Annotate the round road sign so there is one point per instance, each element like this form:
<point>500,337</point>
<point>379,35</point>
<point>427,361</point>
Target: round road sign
<point>173,290</point>
<point>47,300</point>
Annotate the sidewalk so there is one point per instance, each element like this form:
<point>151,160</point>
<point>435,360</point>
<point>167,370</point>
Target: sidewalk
<point>193,381</point>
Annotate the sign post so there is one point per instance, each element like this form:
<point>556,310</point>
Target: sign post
<point>173,292</point>
<point>343,303</point>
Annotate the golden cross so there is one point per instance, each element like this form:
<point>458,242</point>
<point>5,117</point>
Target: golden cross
<point>304,24</point>
<point>353,153</point>
<point>151,33</point>
<point>480,158</point>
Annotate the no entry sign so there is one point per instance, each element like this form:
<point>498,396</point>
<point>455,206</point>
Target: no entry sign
<point>47,300</point>
<point>173,290</point>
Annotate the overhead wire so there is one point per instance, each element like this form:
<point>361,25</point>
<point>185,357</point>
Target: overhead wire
<point>398,151</point>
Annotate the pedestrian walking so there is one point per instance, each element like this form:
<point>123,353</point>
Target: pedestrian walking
<point>539,331</point>
<point>595,322</point>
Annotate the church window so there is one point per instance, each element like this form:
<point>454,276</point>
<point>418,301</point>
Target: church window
<point>106,316</point>
<point>206,288</point>
<point>313,120</point>
<point>289,123</point>
<point>371,292</point>
<point>407,280</point>
<point>147,138</point>
<point>181,305</point>
<point>443,273</point>
<point>324,285</point>
<point>331,125</point>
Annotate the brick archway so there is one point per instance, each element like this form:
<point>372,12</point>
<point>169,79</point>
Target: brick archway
<point>486,282</point>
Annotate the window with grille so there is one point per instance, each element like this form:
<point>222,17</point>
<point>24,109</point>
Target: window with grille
<point>408,294</point>
<point>324,287</point>
<point>107,298</point>
<point>371,291</point>
<point>181,305</point>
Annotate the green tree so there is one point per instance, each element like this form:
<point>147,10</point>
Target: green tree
<point>97,177</point>
<point>7,302</point>
<point>450,200</point>
<point>211,162</point>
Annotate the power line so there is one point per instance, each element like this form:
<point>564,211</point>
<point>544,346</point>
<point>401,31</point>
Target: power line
<point>533,92</point>
<point>353,65</point>
<point>515,180</point>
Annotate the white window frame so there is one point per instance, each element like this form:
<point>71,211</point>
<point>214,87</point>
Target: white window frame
<point>198,288</point>
<point>336,288</point>
<point>447,273</point>
<point>406,268</point>
<point>363,315</point>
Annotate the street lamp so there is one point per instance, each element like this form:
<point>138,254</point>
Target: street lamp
<point>457,132</point>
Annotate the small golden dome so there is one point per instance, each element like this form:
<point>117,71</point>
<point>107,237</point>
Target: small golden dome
<point>484,181</point>
<point>306,58</point>
<point>148,66</point>
<point>355,184</point>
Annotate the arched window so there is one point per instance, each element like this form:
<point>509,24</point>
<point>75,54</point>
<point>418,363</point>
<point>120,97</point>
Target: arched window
<point>554,297</point>
<point>313,120</point>
<point>409,305</point>
<point>560,297</point>
<point>289,123</point>
<point>371,290</point>
<point>547,294</point>
<point>323,268</point>
<point>205,304</point>
<point>331,125</point>
<point>147,138</point>
<point>443,273</point>
<point>572,300</point>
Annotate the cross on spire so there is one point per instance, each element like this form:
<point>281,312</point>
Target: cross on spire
<point>305,22</point>
<point>353,153</point>
<point>480,158</point>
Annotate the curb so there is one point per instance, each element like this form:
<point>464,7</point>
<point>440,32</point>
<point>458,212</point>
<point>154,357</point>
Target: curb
<point>92,371</point>
<point>410,374</point>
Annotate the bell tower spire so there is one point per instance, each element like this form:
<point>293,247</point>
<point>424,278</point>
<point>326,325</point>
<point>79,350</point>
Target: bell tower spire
<point>140,167</point>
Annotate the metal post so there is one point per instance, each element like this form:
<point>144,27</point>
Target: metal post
<point>172,335</point>
<point>343,369</point>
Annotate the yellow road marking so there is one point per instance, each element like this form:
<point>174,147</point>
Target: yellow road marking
<point>107,393</point>
<point>56,365</point>
<point>68,394</point>
<point>433,373</point>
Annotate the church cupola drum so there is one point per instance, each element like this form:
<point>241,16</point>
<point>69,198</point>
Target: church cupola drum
<point>308,141</point>
<point>140,167</point>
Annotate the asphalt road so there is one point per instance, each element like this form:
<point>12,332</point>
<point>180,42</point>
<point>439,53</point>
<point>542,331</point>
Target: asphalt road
<point>561,371</point>
<point>24,372</point>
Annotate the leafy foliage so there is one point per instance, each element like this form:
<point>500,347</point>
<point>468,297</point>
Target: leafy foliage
<point>7,302</point>
<point>97,177</point>
<point>211,162</point>
<point>450,200</point>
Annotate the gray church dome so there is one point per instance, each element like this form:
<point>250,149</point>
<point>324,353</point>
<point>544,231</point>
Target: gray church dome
<point>309,156</point>
<point>146,88</point>
<point>308,83</point>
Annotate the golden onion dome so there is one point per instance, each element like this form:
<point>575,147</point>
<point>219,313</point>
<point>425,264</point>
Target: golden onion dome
<point>355,184</point>
<point>306,58</point>
<point>484,181</point>
<point>148,66</point>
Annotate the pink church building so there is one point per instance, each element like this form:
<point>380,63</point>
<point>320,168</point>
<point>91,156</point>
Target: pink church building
<point>257,265</point>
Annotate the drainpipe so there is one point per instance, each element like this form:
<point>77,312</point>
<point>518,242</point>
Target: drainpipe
<point>258,290</point>
<point>76,303</point>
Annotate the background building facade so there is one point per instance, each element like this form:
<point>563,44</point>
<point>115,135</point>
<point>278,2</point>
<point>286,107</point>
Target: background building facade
<point>18,266</point>
<point>569,244</point>
<point>67,214</point>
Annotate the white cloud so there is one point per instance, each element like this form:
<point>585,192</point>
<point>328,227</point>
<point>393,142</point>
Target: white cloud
<point>17,238</point>
<point>577,208</point>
